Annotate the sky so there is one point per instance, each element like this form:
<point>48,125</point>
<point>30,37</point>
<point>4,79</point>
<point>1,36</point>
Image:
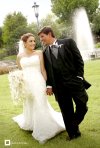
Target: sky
<point>25,7</point>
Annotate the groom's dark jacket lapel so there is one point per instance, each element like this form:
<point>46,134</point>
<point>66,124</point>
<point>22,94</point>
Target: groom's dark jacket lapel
<point>48,66</point>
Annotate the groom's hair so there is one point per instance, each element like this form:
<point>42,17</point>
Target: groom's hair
<point>46,30</point>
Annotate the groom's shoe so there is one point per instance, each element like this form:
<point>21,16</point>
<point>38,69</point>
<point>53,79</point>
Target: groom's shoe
<point>77,132</point>
<point>76,135</point>
<point>71,137</point>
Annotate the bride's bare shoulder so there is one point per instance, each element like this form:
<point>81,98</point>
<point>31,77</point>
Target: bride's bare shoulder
<point>39,52</point>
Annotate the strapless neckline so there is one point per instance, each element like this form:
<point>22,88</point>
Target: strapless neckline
<point>30,56</point>
<point>31,61</point>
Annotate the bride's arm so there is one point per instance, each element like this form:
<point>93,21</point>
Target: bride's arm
<point>18,62</point>
<point>43,71</point>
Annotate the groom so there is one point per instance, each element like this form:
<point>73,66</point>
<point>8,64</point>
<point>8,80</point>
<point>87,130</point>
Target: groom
<point>65,78</point>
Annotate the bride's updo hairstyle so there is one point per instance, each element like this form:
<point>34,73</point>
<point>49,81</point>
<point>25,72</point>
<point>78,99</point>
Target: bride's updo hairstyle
<point>23,40</point>
<point>25,36</point>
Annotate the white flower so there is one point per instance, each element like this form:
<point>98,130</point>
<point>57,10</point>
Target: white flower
<point>17,85</point>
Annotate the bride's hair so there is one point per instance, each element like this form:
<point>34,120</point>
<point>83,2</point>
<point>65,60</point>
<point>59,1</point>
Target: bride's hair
<point>25,36</point>
<point>23,39</point>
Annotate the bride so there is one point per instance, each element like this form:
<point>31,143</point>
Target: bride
<point>38,116</point>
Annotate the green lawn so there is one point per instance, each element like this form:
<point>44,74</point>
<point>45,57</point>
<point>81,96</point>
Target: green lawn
<point>90,127</point>
<point>12,57</point>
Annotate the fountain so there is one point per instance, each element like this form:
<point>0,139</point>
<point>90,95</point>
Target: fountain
<point>83,35</point>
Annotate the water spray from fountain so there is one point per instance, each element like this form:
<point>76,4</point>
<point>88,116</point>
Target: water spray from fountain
<point>83,35</point>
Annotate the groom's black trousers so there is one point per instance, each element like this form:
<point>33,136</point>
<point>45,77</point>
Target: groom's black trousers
<point>73,113</point>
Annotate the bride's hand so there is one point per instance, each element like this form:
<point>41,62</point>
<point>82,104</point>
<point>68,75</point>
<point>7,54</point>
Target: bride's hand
<point>49,91</point>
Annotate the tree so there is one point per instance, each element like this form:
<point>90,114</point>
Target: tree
<point>60,29</point>
<point>14,26</point>
<point>51,21</point>
<point>96,23</point>
<point>65,8</point>
<point>1,41</point>
<point>33,28</point>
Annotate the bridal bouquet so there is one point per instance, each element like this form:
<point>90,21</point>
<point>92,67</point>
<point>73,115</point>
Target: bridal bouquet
<point>17,85</point>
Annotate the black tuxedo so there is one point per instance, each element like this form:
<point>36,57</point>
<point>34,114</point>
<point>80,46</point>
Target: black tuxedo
<point>63,74</point>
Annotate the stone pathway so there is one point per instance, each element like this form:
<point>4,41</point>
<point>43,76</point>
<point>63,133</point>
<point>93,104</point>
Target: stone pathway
<point>7,63</point>
<point>6,66</point>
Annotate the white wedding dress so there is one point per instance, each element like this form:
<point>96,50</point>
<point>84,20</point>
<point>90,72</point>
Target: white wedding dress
<point>38,115</point>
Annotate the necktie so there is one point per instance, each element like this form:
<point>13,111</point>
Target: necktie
<point>54,50</point>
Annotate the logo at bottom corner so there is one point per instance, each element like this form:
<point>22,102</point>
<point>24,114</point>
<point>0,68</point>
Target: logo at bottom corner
<point>7,143</point>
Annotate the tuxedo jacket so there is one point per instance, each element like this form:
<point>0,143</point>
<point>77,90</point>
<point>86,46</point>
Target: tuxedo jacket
<point>72,64</point>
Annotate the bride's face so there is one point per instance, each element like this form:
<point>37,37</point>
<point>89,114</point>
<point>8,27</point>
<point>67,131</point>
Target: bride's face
<point>30,43</point>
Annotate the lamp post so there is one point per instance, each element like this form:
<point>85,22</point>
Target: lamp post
<point>35,6</point>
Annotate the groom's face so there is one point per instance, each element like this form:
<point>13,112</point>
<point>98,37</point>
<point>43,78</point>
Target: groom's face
<point>45,38</point>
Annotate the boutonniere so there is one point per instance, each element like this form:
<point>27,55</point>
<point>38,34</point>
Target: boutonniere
<point>56,46</point>
<point>60,45</point>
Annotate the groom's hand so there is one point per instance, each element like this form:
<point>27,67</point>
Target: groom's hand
<point>49,91</point>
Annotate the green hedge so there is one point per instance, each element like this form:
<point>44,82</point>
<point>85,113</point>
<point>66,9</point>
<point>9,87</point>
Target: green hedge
<point>97,45</point>
<point>3,53</point>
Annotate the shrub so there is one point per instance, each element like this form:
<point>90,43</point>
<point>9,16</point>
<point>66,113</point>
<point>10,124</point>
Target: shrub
<point>97,45</point>
<point>3,53</point>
